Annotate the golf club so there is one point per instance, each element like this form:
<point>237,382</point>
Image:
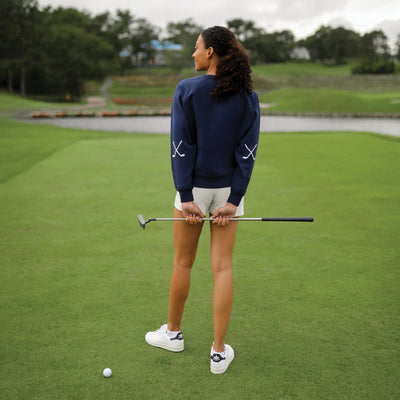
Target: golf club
<point>143,222</point>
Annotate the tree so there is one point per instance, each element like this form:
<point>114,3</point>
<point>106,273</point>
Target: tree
<point>20,26</point>
<point>8,57</point>
<point>184,33</point>
<point>317,44</point>
<point>285,43</point>
<point>262,47</point>
<point>55,51</point>
<point>72,56</point>
<point>270,47</point>
<point>374,55</point>
<point>398,47</point>
<point>117,32</point>
<point>143,33</point>
<point>343,44</point>
<point>333,45</point>
<point>71,16</point>
<point>244,29</point>
<point>373,46</point>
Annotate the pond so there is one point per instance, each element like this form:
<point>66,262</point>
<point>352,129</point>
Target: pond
<point>273,123</point>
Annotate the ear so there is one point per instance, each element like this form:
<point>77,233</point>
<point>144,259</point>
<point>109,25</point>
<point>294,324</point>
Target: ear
<point>210,52</point>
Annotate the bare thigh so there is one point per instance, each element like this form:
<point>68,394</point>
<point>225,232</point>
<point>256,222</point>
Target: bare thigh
<point>222,244</point>
<point>186,239</point>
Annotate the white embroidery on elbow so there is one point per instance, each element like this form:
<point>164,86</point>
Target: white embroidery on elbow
<point>251,152</point>
<point>177,150</point>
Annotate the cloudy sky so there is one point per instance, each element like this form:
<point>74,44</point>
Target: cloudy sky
<point>302,17</point>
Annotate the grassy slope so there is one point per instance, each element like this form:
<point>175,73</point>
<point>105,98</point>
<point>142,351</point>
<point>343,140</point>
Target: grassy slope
<point>20,149</point>
<point>293,87</point>
<point>330,100</point>
<point>303,69</point>
<point>15,102</point>
<point>316,310</point>
<point>308,87</point>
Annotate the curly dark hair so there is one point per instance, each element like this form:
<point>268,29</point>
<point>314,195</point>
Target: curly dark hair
<point>233,70</point>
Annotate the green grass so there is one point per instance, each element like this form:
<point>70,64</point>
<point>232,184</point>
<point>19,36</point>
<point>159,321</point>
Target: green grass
<point>330,100</point>
<point>304,69</point>
<point>316,76</point>
<point>121,90</point>
<point>316,306</point>
<point>148,83</point>
<point>19,152</point>
<point>16,102</point>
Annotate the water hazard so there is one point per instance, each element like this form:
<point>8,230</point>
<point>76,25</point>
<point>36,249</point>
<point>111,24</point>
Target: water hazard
<point>161,124</point>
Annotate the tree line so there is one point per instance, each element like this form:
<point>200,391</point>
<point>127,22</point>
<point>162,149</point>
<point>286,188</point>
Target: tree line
<point>54,51</point>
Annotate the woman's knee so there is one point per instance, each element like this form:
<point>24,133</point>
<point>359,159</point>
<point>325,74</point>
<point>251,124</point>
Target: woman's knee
<point>221,265</point>
<point>184,260</point>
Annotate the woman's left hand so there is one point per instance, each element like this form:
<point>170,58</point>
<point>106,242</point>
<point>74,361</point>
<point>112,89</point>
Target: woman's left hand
<point>223,214</point>
<point>192,213</point>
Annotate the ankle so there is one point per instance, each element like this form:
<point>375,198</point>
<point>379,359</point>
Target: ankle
<point>218,348</point>
<point>173,327</point>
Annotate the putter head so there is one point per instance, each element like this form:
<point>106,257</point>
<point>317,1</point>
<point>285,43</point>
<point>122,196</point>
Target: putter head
<point>142,221</point>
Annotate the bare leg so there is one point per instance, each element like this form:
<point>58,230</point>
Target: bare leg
<point>222,243</point>
<point>186,238</point>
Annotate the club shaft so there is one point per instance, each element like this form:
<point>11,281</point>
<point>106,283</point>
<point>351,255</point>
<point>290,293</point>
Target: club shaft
<point>276,219</point>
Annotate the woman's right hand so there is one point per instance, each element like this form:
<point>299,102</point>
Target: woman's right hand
<point>192,213</point>
<point>223,214</point>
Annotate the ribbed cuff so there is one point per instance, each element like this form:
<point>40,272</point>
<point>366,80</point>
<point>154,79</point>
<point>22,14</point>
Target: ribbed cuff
<point>186,195</point>
<point>235,198</point>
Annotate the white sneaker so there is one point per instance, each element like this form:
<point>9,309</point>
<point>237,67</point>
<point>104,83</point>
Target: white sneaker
<point>159,338</point>
<point>220,364</point>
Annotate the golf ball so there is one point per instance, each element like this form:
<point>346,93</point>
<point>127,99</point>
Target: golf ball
<point>107,372</point>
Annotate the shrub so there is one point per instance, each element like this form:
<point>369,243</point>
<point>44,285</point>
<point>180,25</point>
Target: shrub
<point>382,66</point>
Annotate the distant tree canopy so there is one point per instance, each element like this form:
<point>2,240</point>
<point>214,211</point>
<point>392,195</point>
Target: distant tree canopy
<point>329,45</point>
<point>398,47</point>
<point>54,51</point>
<point>374,57</point>
<point>333,45</point>
<point>263,47</point>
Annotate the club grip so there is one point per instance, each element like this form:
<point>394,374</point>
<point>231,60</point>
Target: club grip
<point>290,219</point>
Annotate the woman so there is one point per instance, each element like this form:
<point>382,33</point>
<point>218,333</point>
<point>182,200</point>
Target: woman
<point>215,123</point>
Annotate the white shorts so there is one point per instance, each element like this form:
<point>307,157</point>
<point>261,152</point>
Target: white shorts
<point>209,200</point>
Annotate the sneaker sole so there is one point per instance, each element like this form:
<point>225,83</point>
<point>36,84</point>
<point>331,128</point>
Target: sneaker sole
<point>219,371</point>
<point>166,347</point>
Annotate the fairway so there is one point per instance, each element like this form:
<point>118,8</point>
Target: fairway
<point>316,310</point>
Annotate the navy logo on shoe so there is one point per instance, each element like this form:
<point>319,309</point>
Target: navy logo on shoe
<point>217,357</point>
<point>179,336</point>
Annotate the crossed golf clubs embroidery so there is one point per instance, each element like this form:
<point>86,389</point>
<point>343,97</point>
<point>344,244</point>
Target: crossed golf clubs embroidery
<point>251,152</point>
<point>177,150</point>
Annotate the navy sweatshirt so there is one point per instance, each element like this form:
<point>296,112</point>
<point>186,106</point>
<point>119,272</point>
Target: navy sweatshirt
<point>213,143</point>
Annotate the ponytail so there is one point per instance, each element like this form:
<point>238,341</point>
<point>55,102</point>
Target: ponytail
<point>233,69</point>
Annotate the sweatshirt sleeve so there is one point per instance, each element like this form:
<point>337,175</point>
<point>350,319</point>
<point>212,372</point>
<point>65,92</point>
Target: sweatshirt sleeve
<point>245,155</point>
<point>183,143</point>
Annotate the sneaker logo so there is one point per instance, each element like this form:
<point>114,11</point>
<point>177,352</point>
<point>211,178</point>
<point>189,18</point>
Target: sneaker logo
<point>217,357</point>
<point>179,336</point>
